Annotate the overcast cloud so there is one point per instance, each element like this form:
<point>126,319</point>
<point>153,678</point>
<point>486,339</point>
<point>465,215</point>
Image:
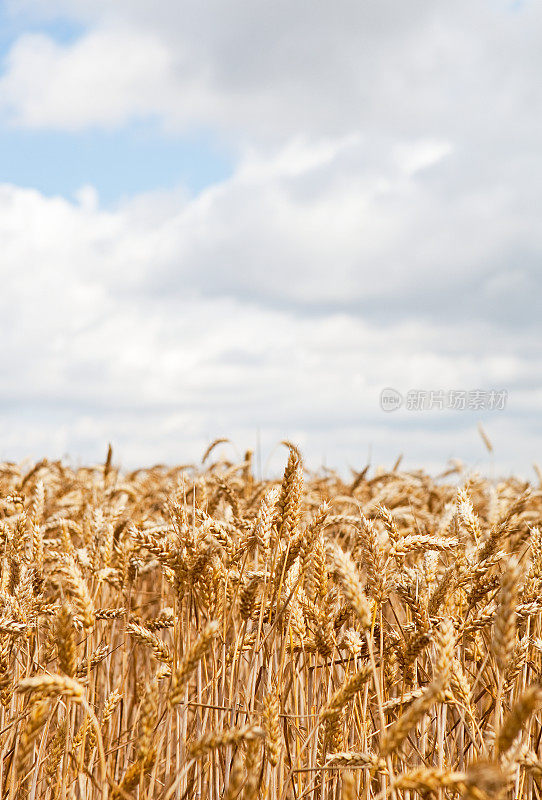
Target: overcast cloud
<point>380,228</point>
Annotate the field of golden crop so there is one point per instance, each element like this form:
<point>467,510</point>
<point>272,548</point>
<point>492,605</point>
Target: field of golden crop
<point>194,632</point>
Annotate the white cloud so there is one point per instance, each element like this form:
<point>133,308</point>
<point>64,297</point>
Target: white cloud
<point>155,325</point>
<point>103,78</point>
<point>309,228</point>
<point>412,158</point>
<point>381,228</point>
<point>275,70</point>
<point>87,197</point>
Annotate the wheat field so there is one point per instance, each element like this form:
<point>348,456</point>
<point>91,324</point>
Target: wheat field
<point>195,632</point>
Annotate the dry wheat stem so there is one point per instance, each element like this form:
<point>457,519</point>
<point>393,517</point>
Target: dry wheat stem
<point>146,617</point>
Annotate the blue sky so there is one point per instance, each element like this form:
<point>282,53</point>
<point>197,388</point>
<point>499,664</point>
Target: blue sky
<point>287,209</point>
<point>119,161</point>
<point>16,21</point>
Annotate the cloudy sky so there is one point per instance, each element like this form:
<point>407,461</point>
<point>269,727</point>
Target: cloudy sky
<point>246,218</point>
